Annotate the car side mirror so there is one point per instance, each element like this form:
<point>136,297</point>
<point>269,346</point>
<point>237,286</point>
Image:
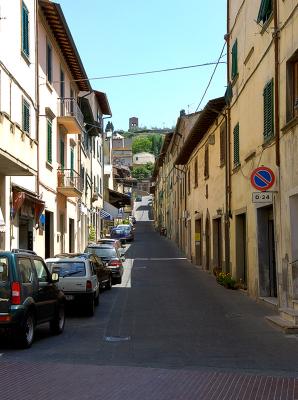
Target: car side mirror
<point>55,277</point>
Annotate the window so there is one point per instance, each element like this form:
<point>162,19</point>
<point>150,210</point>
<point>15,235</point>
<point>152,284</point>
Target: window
<point>25,30</point>
<point>265,11</point>
<point>49,63</point>
<point>235,59</point>
<point>188,181</point>
<point>3,270</point>
<point>206,165</point>
<point>71,161</point>
<point>236,146</point>
<point>196,172</point>
<point>26,116</point>
<point>222,156</point>
<point>268,111</point>
<point>292,87</point>
<point>41,271</point>
<point>62,84</point>
<point>62,160</point>
<point>25,270</point>
<point>49,141</point>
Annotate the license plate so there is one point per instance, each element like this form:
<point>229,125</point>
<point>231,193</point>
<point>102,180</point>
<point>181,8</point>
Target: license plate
<point>69,297</point>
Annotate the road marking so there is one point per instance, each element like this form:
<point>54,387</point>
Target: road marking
<point>160,259</point>
<point>117,338</point>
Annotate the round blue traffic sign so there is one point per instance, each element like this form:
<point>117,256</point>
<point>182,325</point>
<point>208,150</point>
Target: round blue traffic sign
<point>262,178</point>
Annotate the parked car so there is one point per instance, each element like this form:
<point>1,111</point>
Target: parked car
<point>111,257</point>
<point>113,242</point>
<point>29,296</point>
<point>122,234</point>
<point>81,277</point>
<point>128,232</point>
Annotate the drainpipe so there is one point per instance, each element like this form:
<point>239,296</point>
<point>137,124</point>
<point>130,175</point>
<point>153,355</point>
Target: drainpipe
<point>37,93</point>
<point>276,82</point>
<point>228,154</point>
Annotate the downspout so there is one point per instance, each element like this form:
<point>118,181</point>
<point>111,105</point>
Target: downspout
<point>228,154</point>
<point>276,82</point>
<point>37,92</point>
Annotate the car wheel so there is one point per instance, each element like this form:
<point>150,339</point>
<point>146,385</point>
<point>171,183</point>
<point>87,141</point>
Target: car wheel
<point>109,283</point>
<point>96,299</point>
<point>57,324</point>
<point>25,334</point>
<point>90,306</point>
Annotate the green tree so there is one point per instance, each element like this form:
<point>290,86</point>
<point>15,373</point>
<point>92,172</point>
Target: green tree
<point>140,144</point>
<point>140,172</point>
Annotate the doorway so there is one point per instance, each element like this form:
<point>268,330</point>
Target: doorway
<point>71,235</point>
<point>266,250</point>
<point>189,239</point>
<point>217,243</point>
<point>207,238</point>
<point>25,234</point>
<point>62,232</point>
<point>49,235</point>
<point>241,260</point>
<point>198,241</point>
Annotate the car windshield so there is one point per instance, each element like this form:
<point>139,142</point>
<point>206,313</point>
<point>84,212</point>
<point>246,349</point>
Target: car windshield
<point>3,269</point>
<point>103,252</point>
<point>124,227</point>
<point>67,268</point>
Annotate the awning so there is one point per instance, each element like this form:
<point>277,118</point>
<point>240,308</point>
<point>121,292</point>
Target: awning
<point>105,215</point>
<point>21,198</point>
<point>2,222</point>
<point>118,199</point>
<point>109,208</point>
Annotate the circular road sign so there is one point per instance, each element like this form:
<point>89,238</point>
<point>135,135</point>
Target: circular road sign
<point>262,178</point>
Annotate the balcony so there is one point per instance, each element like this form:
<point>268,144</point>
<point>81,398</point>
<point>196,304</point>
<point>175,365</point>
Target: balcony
<point>69,183</point>
<point>70,115</point>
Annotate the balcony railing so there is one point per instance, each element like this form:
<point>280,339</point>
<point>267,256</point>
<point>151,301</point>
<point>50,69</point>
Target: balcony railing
<point>69,183</point>
<point>70,115</point>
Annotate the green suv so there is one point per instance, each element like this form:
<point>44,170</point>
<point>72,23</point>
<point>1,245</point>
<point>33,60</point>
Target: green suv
<point>28,296</point>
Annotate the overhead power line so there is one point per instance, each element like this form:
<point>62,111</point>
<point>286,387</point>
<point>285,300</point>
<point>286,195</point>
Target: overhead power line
<point>210,80</point>
<point>148,72</point>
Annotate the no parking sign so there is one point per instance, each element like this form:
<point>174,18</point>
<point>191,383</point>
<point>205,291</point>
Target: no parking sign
<point>262,178</point>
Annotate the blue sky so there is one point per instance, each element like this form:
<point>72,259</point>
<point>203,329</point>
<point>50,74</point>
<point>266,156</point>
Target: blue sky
<point>117,37</point>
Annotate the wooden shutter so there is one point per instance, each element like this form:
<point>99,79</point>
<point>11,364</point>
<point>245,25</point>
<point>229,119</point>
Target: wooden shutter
<point>196,172</point>
<point>49,155</point>
<point>206,167</point>
<point>223,132</point>
<point>62,161</point>
<point>71,161</point>
<point>49,63</point>
<point>25,30</point>
<point>235,59</point>
<point>268,110</point>
<point>236,146</point>
<point>26,116</point>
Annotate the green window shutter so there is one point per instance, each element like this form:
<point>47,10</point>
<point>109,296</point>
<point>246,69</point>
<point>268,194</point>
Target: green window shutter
<point>62,154</point>
<point>71,161</point>
<point>268,96</point>
<point>26,116</point>
<point>25,30</point>
<point>265,11</point>
<point>236,146</point>
<point>235,59</point>
<point>49,155</point>
<point>49,63</point>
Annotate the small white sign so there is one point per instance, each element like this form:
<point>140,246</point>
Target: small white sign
<point>262,197</point>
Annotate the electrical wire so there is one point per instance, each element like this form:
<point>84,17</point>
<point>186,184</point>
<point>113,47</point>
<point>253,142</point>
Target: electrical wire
<point>149,72</point>
<point>210,80</point>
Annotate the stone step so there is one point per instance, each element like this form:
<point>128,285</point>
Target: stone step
<point>289,314</point>
<point>286,326</point>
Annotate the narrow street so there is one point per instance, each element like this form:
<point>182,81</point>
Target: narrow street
<point>169,331</point>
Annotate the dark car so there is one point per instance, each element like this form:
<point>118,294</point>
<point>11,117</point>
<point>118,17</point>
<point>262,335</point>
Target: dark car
<point>120,234</point>
<point>111,257</point>
<point>28,296</point>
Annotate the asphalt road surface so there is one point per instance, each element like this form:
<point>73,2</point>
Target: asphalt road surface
<point>169,331</point>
